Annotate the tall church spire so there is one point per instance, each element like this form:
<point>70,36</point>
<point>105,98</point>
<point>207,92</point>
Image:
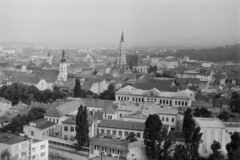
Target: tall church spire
<point>63,56</point>
<point>122,37</point>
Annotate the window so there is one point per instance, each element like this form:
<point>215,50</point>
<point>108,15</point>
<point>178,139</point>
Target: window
<point>102,130</point>
<point>119,133</point>
<point>72,129</point>
<point>50,119</point>
<point>72,138</point>
<point>42,154</point>
<point>114,132</point>
<point>96,147</point>
<point>138,135</point>
<point>23,154</point>
<point>185,103</point>
<point>126,133</point>
<point>65,128</point>
<point>119,152</point>
<point>108,132</point>
<point>172,119</point>
<point>53,120</point>
<point>162,118</point>
<point>120,115</point>
<point>34,149</point>
<point>32,133</point>
<point>24,145</point>
<point>65,137</point>
<point>167,119</point>
<point>42,146</point>
<point>33,157</point>
<point>16,147</point>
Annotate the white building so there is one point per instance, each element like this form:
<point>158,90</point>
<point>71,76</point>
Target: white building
<point>21,147</point>
<point>175,99</point>
<point>5,105</point>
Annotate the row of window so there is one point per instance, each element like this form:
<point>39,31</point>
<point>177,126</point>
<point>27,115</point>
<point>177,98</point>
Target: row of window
<point>167,119</point>
<point>66,128</point>
<point>120,133</point>
<point>72,138</point>
<point>104,149</point>
<point>23,154</point>
<point>55,120</point>
<point>22,146</point>
<point>41,155</point>
<point>181,103</point>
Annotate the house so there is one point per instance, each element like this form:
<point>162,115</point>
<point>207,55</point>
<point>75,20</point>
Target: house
<point>69,128</point>
<point>167,63</point>
<point>105,146</point>
<point>5,105</point>
<point>40,128</point>
<point>61,112</point>
<point>96,86</point>
<point>102,148</point>
<point>18,107</point>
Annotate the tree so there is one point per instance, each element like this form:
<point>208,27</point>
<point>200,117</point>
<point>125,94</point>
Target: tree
<point>152,136</point>
<point>5,155</point>
<point>95,72</point>
<point>131,137</point>
<point>180,152</point>
<point>36,113</point>
<point>225,115</point>
<point>108,94</point>
<point>77,89</point>
<point>130,66</point>
<point>187,119</point>
<point>82,128</point>
<point>202,112</point>
<point>233,148</point>
<point>216,153</point>
<point>192,138</point>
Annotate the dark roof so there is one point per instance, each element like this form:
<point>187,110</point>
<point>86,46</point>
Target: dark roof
<point>134,59</point>
<point>45,125</point>
<point>122,124</point>
<point>98,115</point>
<point>8,138</point>
<point>72,120</point>
<point>54,112</point>
<point>177,135</point>
<point>117,144</point>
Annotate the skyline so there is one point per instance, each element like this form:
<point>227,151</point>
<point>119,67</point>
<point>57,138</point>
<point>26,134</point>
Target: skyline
<point>101,22</point>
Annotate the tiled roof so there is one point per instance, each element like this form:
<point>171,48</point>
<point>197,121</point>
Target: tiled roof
<point>19,106</point>
<point>72,120</point>
<point>7,138</point>
<point>54,112</point>
<point>122,124</point>
<point>45,125</point>
<point>98,115</point>
<point>117,144</point>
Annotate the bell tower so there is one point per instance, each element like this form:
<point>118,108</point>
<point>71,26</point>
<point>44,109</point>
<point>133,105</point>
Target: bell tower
<point>121,59</point>
<point>62,76</point>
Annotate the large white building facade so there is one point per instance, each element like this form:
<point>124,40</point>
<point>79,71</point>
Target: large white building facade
<point>174,99</point>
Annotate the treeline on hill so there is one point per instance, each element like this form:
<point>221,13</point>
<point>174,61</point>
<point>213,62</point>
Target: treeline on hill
<point>218,54</point>
<point>17,92</point>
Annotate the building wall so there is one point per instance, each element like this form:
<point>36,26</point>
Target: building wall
<point>19,150</point>
<point>125,132</point>
<point>33,131</point>
<point>97,150</point>
<point>39,150</point>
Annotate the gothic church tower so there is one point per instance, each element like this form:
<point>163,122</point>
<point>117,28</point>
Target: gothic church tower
<point>121,59</point>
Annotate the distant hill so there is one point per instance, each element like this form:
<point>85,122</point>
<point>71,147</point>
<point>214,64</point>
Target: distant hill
<point>217,54</point>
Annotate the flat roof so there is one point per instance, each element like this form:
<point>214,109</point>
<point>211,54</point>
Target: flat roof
<point>8,138</point>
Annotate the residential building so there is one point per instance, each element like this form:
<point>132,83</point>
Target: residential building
<point>39,149</point>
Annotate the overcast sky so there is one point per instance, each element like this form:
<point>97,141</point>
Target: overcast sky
<point>101,21</point>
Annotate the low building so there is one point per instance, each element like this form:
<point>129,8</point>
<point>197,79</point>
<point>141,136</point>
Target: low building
<point>18,107</point>
<point>69,128</point>
<point>175,99</point>
<point>40,128</point>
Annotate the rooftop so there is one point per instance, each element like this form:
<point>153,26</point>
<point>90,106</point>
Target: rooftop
<point>8,138</point>
<point>209,122</point>
<point>117,144</point>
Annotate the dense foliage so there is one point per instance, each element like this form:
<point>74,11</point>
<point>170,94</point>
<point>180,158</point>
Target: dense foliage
<point>17,92</point>
<point>131,137</point>
<point>235,103</point>
<point>233,148</point>
<point>225,115</point>
<point>109,94</point>
<point>82,127</point>
<point>152,69</point>
<point>17,123</point>
<point>202,112</point>
<point>216,152</point>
